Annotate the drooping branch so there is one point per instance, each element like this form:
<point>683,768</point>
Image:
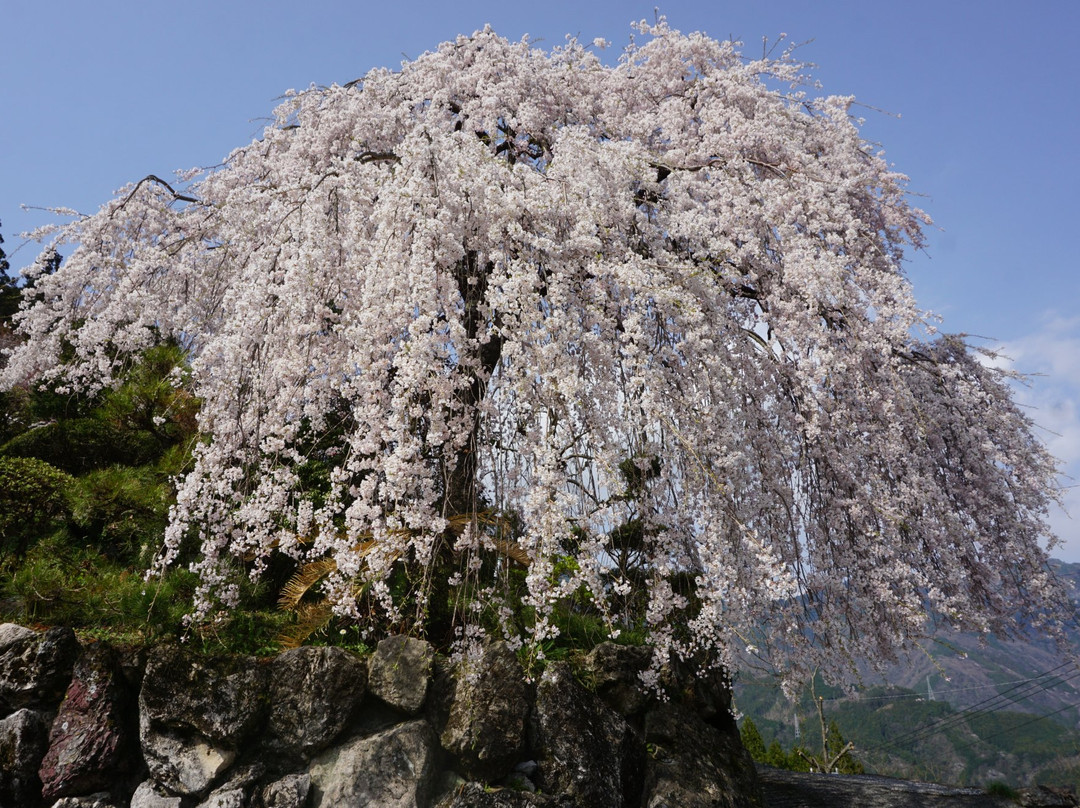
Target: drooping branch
<point>178,197</point>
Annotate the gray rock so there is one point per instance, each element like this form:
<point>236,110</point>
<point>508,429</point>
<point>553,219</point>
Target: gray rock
<point>102,799</point>
<point>399,672</point>
<point>24,737</point>
<point>288,792</point>
<point>13,632</point>
<point>486,729</point>
<point>90,737</point>
<point>247,777</point>
<point>225,798</point>
<point>35,668</point>
<point>589,754</point>
<point>693,764</point>
<point>186,764</point>
<point>221,698</point>
<point>393,769</point>
<point>614,673</point>
<point>149,795</point>
<point>195,713</point>
<point>476,795</point>
<point>527,768</point>
<point>707,692</point>
<point>313,694</point>
<point>1046,797</point>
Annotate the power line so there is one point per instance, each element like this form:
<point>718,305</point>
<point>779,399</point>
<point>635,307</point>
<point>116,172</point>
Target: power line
<point>914,694</point>
<point>1013,694</point>
<point>937,691</point>
<point>987,705</point>
<point>1016,726</point>
<point>1018,692</point>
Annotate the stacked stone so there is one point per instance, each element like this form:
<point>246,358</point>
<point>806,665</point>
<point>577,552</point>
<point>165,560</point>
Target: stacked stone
<point>90,727</point>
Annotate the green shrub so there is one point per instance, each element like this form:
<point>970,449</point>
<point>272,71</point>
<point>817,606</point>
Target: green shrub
<point>60,583</point>
<point>78,445</point>
<point>1000,789</point>
<point>33,498</point>
<point>122,511</point>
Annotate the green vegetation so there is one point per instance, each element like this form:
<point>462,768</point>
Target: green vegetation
<point>899,733</point>
<point>85,491</point>
<point>999,789</point>
<point>33,498</point>
<point>837,755</point>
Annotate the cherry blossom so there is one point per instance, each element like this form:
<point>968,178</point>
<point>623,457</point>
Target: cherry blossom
<point>519,302</point>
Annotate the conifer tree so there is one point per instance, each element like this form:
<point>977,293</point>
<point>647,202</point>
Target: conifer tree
<point>752,740</point>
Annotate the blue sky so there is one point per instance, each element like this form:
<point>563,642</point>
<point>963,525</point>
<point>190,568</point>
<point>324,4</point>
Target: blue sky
<point>980,105</point>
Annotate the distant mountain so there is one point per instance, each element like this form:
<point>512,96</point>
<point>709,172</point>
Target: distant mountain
<point>1029,676</point>
<point>965,711</point>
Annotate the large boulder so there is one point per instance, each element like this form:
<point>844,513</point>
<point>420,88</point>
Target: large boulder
<point>195,713</point>
<point>314,693</point>
<point>184,762</point>
<point>489,712</point>
<point>12,632</point>
<point>706,690</point>
<point>392,769</point>
<point>90,739</point>
<point>24,737</point>
<point>399,672</point>
<point>35,668</point>
<point>693,764</point>
<point>588,753</point>
<point>614,673</point>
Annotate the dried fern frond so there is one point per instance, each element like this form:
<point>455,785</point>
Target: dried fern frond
<point>311,617</point>
<point>505,547</point>
<point>513,551</point>
<point>305,578</point>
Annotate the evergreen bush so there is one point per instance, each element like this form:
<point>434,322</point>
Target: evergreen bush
<point>33,497</point>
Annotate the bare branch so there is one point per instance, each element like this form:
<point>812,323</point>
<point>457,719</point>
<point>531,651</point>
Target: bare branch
<point>154,178</point>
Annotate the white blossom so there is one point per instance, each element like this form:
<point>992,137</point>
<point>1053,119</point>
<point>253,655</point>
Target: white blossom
<point>491,278</point>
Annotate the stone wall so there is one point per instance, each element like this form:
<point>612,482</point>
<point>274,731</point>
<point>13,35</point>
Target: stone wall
<point>90,725</point>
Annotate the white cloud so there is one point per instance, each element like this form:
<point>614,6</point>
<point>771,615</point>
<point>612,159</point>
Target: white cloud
<point>1050,357</point>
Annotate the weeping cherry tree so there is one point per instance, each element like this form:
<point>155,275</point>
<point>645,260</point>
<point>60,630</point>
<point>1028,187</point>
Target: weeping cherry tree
<point>639,331</point>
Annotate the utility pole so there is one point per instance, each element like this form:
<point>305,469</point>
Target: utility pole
<point>826,763</point>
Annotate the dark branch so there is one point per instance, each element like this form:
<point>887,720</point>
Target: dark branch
<point>377,157</point>
<point>154,178</point>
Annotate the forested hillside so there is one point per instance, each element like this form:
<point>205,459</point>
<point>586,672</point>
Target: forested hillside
<point>965,711</point>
